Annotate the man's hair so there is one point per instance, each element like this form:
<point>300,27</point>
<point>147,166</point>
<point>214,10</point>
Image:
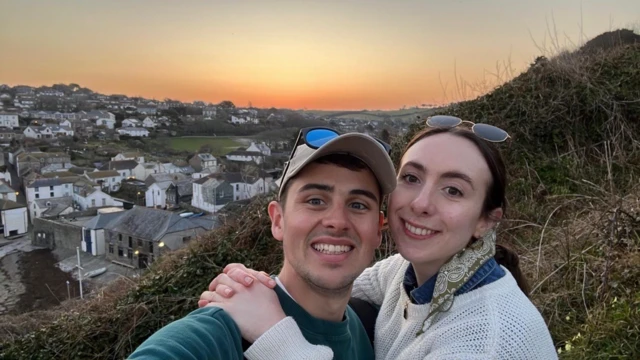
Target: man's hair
<point>343,160</point>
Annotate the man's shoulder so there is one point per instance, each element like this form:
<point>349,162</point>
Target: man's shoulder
<point>205,333</point>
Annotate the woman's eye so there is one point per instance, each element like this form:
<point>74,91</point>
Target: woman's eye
<point>409,178</point>
<point>453,191</point>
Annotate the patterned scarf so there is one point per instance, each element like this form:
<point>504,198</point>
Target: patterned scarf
<point>457,271</point>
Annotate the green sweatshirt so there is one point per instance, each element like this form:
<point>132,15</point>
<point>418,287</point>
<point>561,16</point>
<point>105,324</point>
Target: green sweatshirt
<point>210,333</point>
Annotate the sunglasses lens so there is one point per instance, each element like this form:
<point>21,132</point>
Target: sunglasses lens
<point>443,121</point>
<point>490,132</point>
<point>319,137</point>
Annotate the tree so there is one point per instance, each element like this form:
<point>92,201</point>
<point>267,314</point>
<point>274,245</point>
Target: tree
<point>226,104</point>
<point>385,136</point>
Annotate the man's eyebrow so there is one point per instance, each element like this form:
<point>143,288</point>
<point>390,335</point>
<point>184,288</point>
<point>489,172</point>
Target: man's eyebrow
<point>458,175</point>
<point>314,186</point>
<point>363,192</point>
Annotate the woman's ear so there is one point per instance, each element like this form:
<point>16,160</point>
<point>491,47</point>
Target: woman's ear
<point>488,222</point>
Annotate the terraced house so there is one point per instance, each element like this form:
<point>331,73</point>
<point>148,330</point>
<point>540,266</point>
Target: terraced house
<point>138,236</point>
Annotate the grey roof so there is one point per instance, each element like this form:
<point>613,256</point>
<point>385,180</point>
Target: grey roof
<point>8,205</point>
<point>151,224</point>
<point>56,205</point>
<point>100,174</point>
<point>163,185</point>
<point>5,188</point>
<point>206,157</point>
<point>185,187</point>
<point>120,165</point>
<point>162,177</point>
<point>102,220</point>
<point>52,182</point>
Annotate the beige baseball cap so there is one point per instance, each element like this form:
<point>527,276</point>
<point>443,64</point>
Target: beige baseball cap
<point>358,145</point>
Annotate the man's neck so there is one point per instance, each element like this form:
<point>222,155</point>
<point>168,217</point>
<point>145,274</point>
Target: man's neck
<point>325,306</point>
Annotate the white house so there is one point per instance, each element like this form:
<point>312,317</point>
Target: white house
<point>65,123</point>
<point>6,191</point>
<point>209,111</point>
<point>211,193</point>
<point>134,132</point>
<point>51,207</point>
<point>109,180</point>
<point>130,123</point>
<point>148,123</point>
<point>61,130</point>
<point>126,168</point>
<point>245,186</point>
<point>132,155</point>
<point>106,122</point>
<point>245,156</point>
<point>152,168</point>
<point>93,230</point>
<point>246,119</point>
<point>49,188</point>
<point>38,132</point>
<point>88,195</point>
<point>13,218</point>
<point>156,194</point>
<point>261,148</point>
<point>9,120</point>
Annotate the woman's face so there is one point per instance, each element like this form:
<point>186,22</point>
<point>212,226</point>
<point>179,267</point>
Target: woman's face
<point>437,205</point>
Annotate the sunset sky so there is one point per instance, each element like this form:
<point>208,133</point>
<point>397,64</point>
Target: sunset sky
<point>349,54</point>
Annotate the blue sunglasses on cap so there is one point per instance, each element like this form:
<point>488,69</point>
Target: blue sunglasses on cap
<point>316,137</point>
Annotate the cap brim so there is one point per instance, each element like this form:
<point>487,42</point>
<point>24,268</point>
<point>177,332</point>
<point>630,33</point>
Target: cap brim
<point>357,145</point>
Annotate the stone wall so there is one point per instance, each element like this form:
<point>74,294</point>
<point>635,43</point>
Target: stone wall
<point>55,234</point>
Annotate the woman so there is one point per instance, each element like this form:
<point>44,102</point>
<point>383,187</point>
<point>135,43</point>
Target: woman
<point>444,296</point>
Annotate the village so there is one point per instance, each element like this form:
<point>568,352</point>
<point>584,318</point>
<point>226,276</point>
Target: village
<point>95,173</point>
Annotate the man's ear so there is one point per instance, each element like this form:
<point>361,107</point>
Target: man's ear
<point>380,227</point>
<point>276,213</point>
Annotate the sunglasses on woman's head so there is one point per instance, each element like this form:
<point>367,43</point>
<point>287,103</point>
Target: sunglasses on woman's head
<point>484,131</point>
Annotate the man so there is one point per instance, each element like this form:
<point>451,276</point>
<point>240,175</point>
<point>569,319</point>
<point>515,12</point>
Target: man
<point>328,218</point>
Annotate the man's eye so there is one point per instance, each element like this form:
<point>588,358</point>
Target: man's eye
<point>359,206</point>
<point>315,202</point>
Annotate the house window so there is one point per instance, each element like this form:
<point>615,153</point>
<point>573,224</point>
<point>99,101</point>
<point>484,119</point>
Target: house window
<point>150,246</point>
<point>114,180</point>
<point>120,251</point>
<point>130,242</point>
<point>66,186</point>
<point>51,194</point>
<point>237,187</point>
<point>51,188</point>
<point>110,248</point>
<point>186,239</point>
<point>129,253</point>
<point>104,202</point>
<point>120,237</point>
<point>139,243</point>
<point>37,189</point>
<point>37,196</point>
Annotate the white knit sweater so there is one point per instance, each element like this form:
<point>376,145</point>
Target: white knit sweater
<point>495,321</point>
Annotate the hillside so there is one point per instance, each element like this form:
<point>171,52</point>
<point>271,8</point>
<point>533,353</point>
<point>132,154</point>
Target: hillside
<point>573,216</point>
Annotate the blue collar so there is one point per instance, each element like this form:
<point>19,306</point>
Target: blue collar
<point>488,273</point>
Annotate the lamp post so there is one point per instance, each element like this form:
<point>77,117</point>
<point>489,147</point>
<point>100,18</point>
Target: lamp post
<point>138,198</point>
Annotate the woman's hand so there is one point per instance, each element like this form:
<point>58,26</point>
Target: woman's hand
<point>240,275</point>
<point>255,309</point>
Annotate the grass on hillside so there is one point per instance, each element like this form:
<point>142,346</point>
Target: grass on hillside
<point>219,145</point>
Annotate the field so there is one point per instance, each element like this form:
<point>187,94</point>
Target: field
<point>219,145</point>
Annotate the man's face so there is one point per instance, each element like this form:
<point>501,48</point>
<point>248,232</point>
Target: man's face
<point>330,225</point>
